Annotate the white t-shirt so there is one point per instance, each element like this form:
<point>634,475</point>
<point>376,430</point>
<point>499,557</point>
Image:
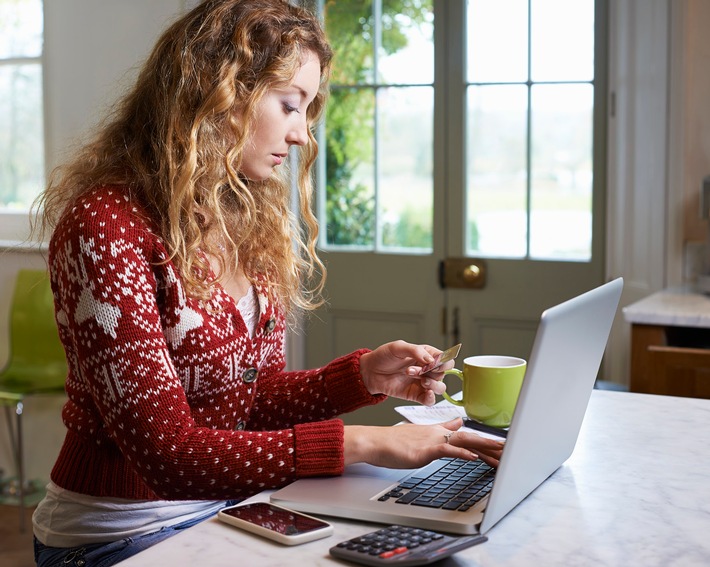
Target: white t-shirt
<point>69,519</point>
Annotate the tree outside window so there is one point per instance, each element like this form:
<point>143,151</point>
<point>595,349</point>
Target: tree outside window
<point>379,125</point>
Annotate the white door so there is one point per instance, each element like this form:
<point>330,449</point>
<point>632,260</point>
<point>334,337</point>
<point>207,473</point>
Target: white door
<point>462,203</point>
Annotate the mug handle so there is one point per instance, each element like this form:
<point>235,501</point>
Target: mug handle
<point>459,373</point>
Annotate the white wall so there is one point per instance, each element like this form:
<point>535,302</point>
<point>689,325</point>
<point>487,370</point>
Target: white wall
<point>92,50</point>
<point>637,152</point>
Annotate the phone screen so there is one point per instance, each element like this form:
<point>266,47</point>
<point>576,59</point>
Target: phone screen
<point>275,519</point>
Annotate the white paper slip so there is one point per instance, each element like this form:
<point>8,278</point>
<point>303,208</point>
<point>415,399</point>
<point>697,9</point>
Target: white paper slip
<point>443,411</point>
<point>427,415</point>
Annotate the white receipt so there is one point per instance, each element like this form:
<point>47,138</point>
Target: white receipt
<point>427,415</point>
<point>438,413</point>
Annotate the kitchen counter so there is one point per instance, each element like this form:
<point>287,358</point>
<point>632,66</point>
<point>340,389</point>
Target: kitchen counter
<point>682,306</point>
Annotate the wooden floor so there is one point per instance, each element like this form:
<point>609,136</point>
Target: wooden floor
<point>15,546</point>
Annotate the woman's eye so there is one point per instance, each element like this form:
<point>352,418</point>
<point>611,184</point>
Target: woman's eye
<point>289,108</point>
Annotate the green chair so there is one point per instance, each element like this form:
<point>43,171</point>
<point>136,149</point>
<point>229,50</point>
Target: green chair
<point>36,362</point>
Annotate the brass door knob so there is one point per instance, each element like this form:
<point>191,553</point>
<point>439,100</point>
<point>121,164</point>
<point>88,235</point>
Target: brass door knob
<point>471,273</point>
<point>462,273</point>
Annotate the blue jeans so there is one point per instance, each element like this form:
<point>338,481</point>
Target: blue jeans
<point>105,554</point>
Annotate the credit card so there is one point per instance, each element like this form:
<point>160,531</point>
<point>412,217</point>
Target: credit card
<point>448,354</point>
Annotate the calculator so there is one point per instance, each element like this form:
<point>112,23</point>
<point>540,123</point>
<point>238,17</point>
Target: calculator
<point>400,545</point>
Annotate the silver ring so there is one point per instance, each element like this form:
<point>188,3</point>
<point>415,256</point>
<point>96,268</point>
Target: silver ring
<point>448,435</point>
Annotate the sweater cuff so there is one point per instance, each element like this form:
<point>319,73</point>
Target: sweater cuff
<point>345,386</point>
<point>320,448</point>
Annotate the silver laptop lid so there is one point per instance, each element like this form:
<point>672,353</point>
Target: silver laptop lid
<point>563,366</point>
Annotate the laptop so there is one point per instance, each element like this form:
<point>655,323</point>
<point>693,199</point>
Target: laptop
<point>562,368</point>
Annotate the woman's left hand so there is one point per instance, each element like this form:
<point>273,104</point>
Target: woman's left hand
<point>394,369</point>
<point>410,446</point>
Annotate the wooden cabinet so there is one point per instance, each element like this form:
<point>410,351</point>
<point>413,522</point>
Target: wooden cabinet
<point>670,360</point>
<point>670,343</point>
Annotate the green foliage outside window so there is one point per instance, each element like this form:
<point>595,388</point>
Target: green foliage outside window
<point>350,131</point>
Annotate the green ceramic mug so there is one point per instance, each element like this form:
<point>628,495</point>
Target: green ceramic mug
<point>491,385</point>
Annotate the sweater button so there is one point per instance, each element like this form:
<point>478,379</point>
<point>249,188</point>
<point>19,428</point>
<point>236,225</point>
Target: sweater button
<point>249,375</point>
<point>270,325</point>
<point>241,426</point>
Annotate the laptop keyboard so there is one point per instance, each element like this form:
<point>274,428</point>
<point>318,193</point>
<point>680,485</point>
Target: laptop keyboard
<point>449,484</point>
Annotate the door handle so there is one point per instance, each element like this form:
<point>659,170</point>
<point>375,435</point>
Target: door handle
<point>471,273</point>
<point>465,273</point>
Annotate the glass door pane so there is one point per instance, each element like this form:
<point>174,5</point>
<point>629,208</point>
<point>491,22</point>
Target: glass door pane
<point>497,41</point>
<point>350,161</point>
<point>405,128</point>
<point>562,40</point>
<point>561,172</point>
<point>497,199</point>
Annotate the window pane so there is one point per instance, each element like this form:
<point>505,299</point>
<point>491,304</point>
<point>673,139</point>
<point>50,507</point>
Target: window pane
<point>405,127</point>
<point>497,41</point>
<point>561,182</point>
<point>407,52</point>
<point>21,25</point>
<point>562,40</point>
<point>21,135</point>
<point>350,190</point>
<point>496,201</point>
<point>351,30</point>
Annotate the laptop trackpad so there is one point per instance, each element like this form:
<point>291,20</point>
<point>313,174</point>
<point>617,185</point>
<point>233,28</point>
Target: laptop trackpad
<point>359,483</point>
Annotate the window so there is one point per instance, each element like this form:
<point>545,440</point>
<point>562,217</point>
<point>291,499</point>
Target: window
<point>21,118</point>
<point>527,82</point>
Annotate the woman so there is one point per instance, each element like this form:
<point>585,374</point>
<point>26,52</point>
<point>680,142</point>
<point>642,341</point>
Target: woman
<point>174,272</point>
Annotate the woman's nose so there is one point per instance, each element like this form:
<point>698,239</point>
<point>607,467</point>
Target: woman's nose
<point>299,134</point>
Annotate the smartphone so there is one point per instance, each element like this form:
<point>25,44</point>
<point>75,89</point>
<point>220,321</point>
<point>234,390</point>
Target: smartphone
<point>275,522</point>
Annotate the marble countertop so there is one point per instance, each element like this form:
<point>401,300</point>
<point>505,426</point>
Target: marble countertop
<point>682,307</point>
<point>635,492</point>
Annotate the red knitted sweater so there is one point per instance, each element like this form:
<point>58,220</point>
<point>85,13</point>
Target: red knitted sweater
<point>169,397</point>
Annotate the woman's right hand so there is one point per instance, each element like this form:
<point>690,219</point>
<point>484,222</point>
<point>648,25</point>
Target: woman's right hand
<point>409,446</point>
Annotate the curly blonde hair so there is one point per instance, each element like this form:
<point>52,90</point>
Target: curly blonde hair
<point>175,141</point>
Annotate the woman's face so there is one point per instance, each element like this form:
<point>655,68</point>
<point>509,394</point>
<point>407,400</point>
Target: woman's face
<point>280,121</point>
